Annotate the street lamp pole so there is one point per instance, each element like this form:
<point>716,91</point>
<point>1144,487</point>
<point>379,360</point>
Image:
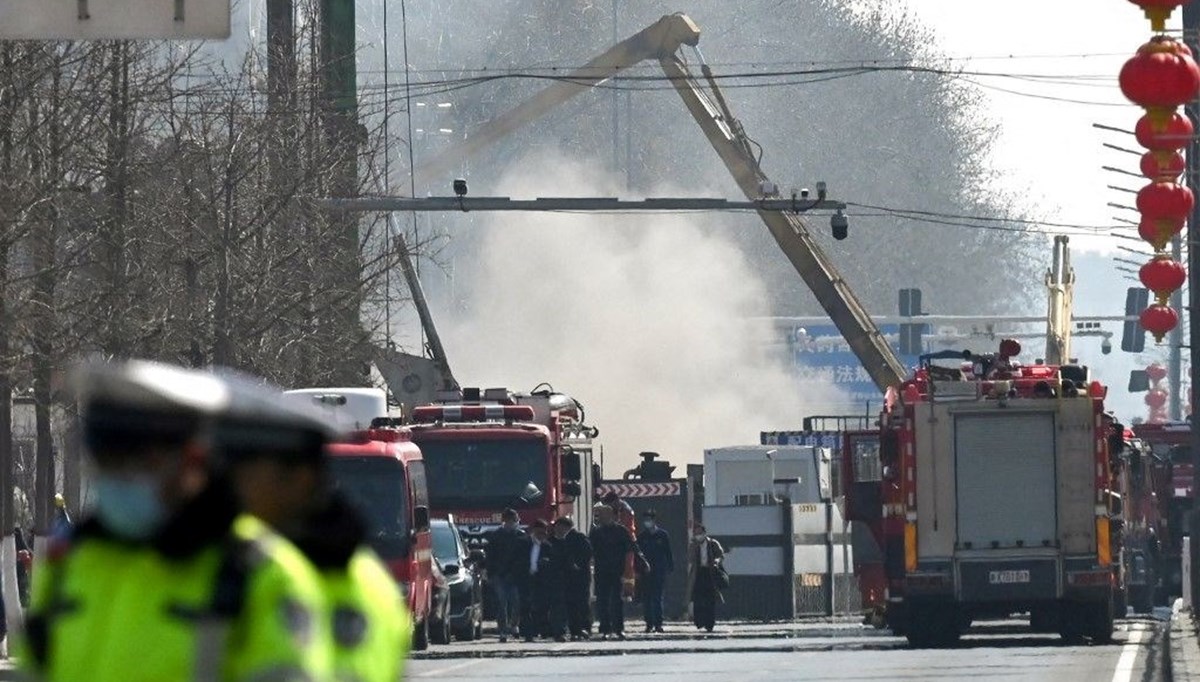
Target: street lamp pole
<point>1191,35</point>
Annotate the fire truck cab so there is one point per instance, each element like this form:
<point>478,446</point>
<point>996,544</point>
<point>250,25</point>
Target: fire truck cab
<point>994,497</point>
<point>1170,451</point>
<point>490,450</point>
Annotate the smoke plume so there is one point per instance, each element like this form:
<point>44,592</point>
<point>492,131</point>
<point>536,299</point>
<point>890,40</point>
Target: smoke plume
<point>648,320</point>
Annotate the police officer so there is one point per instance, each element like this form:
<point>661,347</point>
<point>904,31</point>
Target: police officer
<point>166,581</point>
<point>655,544</point>
<point>275,453</point>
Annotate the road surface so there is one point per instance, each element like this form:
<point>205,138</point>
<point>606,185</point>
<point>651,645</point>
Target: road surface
<point>808,651</point>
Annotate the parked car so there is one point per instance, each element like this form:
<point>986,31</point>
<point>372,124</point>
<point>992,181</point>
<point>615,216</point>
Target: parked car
<point>464,575</point>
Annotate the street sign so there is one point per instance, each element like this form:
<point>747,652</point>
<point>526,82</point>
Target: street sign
<point>819,353</point>
<point>114,19</point>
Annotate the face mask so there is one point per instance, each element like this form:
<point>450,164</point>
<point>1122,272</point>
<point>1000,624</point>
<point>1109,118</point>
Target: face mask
<point>648,525</point>
<point>699,538</point>
<point>130,506</point>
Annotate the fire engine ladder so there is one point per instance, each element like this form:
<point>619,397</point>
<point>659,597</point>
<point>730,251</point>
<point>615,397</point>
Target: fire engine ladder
<point>662,41</point>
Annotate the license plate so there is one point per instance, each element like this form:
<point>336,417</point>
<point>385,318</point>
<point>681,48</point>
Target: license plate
<point>1007,577</point>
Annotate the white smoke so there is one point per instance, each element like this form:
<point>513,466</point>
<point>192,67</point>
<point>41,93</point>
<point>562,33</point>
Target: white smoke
<point>646,319</point>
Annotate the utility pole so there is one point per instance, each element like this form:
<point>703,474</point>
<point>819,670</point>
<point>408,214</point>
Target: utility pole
<point>1191,35</point>
<point>343,136</point>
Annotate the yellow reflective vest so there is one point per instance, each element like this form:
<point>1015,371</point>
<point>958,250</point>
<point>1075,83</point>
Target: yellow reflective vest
<point>248,609</point>
<point>372,629</point>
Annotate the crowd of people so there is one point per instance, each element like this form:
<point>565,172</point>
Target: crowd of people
<point>544,576</point>
<point>218,549</point>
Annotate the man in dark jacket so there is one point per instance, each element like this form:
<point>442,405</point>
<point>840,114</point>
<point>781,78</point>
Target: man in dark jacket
<point>576,552</point>
<point>543,593</point>
<point>506,550</point>
<point>655,545</point>
<point>611,544</point>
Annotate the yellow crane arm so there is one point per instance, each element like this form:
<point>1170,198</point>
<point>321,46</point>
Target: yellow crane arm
<point>662,41</point>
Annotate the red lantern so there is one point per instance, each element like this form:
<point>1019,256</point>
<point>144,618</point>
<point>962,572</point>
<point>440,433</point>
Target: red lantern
<point>1156,398</point>
<point>1163,276</point>
<point>1164,166</point>
<point>1156,373</point>
<point>1166,135</point>
<point>1159,231</point>
<point>1160,77</point>
<point>1158,11</point>
<point>1165,200</point>
<point>1158,320</point>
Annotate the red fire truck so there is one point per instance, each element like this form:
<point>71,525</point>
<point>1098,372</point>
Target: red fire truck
<point>1171,467</point>
<point>995,497</point>
<point>381,471</point>
<point>1143,524</point>
<point>488,450</point>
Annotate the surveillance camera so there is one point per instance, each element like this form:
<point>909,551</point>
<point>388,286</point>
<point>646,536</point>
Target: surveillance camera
<point>804,193</point>
<point>1106,346</point>
<point>460,187</point>
<point>840,225</point>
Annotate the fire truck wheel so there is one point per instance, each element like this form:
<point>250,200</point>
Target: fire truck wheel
<point>933,626</point>
<point>421,635</point>
<point>1100,622</point>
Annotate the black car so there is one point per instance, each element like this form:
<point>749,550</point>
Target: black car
<point>464,578</point>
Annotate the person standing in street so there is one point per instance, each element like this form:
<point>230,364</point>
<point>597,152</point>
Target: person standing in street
<point>544,597</point>
<point>166,581</point>
<point>506,549</point>
<point>275,452</point>
<point>708,575</point>
<point>576,552</point>
<point>654,544</point>
<point>611,547</point>
<point>624,517</point>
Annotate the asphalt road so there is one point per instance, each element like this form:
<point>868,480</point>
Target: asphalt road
<point>806,651</point>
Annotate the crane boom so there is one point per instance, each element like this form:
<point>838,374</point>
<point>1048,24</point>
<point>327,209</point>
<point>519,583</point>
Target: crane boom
<point>662,41</point>
<point>661,38</point>
<point>1060,286</point>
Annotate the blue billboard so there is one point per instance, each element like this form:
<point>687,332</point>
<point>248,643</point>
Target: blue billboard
<point>819,353</point>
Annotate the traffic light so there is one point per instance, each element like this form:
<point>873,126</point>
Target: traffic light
<point>1133,337</point>
<point>910,303</point>
<point>1139,382</point>
<point>911,335</point>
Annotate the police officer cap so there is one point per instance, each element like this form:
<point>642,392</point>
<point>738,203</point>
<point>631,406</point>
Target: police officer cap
<point>136,403</point>
<point>261,422</point>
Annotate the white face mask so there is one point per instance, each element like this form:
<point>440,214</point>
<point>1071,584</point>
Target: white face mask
<point>701,537</point>
<point>648,525</point>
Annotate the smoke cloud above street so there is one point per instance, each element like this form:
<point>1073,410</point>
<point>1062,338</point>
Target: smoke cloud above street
<point>653,321</point>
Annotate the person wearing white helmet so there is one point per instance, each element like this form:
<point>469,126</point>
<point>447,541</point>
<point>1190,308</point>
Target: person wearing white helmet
<point>155,583</point>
